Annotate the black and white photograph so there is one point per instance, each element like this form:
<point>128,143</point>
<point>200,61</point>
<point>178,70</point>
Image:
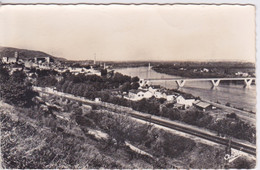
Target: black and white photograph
<point>128,86</point>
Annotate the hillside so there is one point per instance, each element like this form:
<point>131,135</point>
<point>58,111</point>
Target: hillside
<point>25,54</point>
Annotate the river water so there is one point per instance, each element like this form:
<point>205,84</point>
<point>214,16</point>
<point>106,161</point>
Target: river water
<point>236,95</point>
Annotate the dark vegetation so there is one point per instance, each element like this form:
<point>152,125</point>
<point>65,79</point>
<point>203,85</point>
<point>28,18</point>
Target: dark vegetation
<point>15,89</point>
<point>241,163</point>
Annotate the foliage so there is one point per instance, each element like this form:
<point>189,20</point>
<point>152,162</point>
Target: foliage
<point>4,74</point>
<point>45,81</point>
<point>17,91</point>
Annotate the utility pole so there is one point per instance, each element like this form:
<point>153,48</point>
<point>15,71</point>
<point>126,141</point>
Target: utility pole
<point>228,153</point>
<point>95,59</point>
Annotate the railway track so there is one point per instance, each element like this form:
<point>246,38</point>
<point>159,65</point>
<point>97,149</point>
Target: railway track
<point>216,139</point>
<point>152,119</point>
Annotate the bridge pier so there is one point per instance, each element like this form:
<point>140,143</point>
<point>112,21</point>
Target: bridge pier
<point>215,83</point>
<point>248,82</point>
<point>180,83</point>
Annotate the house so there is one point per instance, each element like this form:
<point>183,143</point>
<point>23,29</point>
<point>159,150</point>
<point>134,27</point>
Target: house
<point>4,59</point>
<point>97,99</point>
<point>138,94</point>
<point>42,60</point>
<point>9,60</point>
<point>44,67</point>
<point>154,88</point>
<point>186,102</point>
<point>241,74</point>
<point>205,70</point>
<point>179,106</point>
<point>171,98</point>
<point>202,105</point>
<point>158,95</point>
<point>76,70</point>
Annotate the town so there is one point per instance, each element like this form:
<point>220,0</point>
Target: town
<point>47,85</point>
<point>134,92</point>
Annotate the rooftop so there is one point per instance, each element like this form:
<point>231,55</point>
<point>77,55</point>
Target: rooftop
<point>201,104</point>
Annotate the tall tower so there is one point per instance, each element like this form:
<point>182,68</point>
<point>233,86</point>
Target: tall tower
<point>47,59</point>
<point>16,55</point>
<point>94,58</point>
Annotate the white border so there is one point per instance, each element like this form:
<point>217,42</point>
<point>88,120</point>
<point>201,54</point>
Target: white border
<point>253,2</point>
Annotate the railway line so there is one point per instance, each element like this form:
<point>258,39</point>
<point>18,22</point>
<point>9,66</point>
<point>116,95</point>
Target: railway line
<point>156,120</point>
<point>216,139</point>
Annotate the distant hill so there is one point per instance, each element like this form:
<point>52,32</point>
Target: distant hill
<point>25,54</point>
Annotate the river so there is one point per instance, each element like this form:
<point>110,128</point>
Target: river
<point>236,95</point>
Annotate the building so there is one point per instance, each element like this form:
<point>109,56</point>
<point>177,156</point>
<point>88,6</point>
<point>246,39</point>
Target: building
<point>138,94</point>
<point>205,70</point>
<point>186,102</point>
<point>158,95</point>
<point>154,88</point>
<point>202,105</point>
<point>179,106</point>
<point>171,98</point>
<point>40,60</point>
<point>10,60</point>
<point>97,99</point>
<point>241,74</point>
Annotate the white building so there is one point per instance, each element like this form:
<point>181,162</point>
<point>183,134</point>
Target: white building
<point>9,60</point>
<point>170,98</point>
<point>83,70</point>
<point>154,88</point>
<point>158,95</point>
<point>139,94</point>
<point>187,102</point>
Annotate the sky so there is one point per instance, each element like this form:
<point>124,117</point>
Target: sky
<point>124,32</point>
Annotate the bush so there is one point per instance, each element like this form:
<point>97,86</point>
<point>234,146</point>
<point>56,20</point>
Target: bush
<point>228,104</point>
<point>232,115</point>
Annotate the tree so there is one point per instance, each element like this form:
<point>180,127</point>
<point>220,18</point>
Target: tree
<point>135,79</point>
<point>17,94</point>
<point>103,72</point>
<point>125,87</point>
<point>135,85</point>
<point>4,74</point>
<point>18,76</point>
<point>120,78</point>
<point>46,81</point>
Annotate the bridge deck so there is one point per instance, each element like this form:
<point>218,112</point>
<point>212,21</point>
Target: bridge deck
<point>199,79</point>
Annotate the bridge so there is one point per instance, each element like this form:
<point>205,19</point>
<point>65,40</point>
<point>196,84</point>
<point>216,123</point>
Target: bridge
<point>215,81</point>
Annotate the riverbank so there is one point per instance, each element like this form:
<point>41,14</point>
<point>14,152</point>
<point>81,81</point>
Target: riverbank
<point>207,69</point>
